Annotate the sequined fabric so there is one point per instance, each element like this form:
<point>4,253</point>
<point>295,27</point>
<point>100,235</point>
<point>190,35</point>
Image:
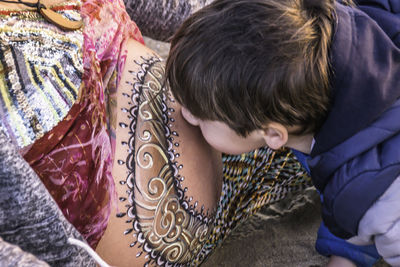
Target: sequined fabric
<point>66,78</point>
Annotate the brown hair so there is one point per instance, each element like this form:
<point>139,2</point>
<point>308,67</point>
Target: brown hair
<point>249,62</point>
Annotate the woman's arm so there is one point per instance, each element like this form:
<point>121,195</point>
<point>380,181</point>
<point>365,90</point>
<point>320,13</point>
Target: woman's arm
<point>159,19</point>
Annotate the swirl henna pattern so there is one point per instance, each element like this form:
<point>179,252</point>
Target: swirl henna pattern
<point>164,224</point>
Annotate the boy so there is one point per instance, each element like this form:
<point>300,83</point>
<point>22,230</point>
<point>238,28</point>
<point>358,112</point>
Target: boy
<point>321,77</point>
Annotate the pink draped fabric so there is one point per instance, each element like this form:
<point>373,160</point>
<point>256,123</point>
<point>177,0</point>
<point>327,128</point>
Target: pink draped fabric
<point>74,159</point>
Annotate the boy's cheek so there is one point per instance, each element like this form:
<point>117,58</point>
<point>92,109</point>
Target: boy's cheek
<point>224,139</point>
<point>226,145</point>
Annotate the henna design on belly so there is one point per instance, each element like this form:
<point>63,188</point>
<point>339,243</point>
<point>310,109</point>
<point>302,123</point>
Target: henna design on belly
<point>162,221</point>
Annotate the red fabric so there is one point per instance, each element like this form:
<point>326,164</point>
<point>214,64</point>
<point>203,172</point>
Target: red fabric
<point>74,159</point>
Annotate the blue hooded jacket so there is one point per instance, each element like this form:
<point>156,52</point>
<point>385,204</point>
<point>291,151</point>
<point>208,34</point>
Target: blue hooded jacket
<point>356,156</point>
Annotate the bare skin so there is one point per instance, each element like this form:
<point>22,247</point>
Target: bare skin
<point>172,167</point>
<point>337,261</point>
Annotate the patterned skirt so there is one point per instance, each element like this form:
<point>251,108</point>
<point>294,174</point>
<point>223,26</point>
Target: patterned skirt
<point>251,181</point>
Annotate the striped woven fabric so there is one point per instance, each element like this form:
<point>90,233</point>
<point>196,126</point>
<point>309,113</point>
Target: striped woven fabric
<point>40,73</point>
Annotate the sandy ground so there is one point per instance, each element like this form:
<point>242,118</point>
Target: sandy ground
<point>282,234</point>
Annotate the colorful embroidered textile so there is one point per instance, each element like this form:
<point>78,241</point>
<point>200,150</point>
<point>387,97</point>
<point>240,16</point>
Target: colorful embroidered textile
<point>42,69</point>
<point>251,181</point>
<point>40,73</point>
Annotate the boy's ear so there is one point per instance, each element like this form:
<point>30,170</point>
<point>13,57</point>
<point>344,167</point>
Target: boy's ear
<point>275,135</point>
<point>189,117</point>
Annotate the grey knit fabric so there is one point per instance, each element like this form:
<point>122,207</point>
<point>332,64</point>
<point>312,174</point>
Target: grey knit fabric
<point>12,255</point>
<point>160,19</point>
<point>30,219</point>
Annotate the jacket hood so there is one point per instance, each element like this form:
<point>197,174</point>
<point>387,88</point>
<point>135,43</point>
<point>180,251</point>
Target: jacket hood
<point>365,73</point>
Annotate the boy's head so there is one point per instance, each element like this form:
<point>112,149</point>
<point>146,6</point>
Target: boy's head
<point>249,63</point>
